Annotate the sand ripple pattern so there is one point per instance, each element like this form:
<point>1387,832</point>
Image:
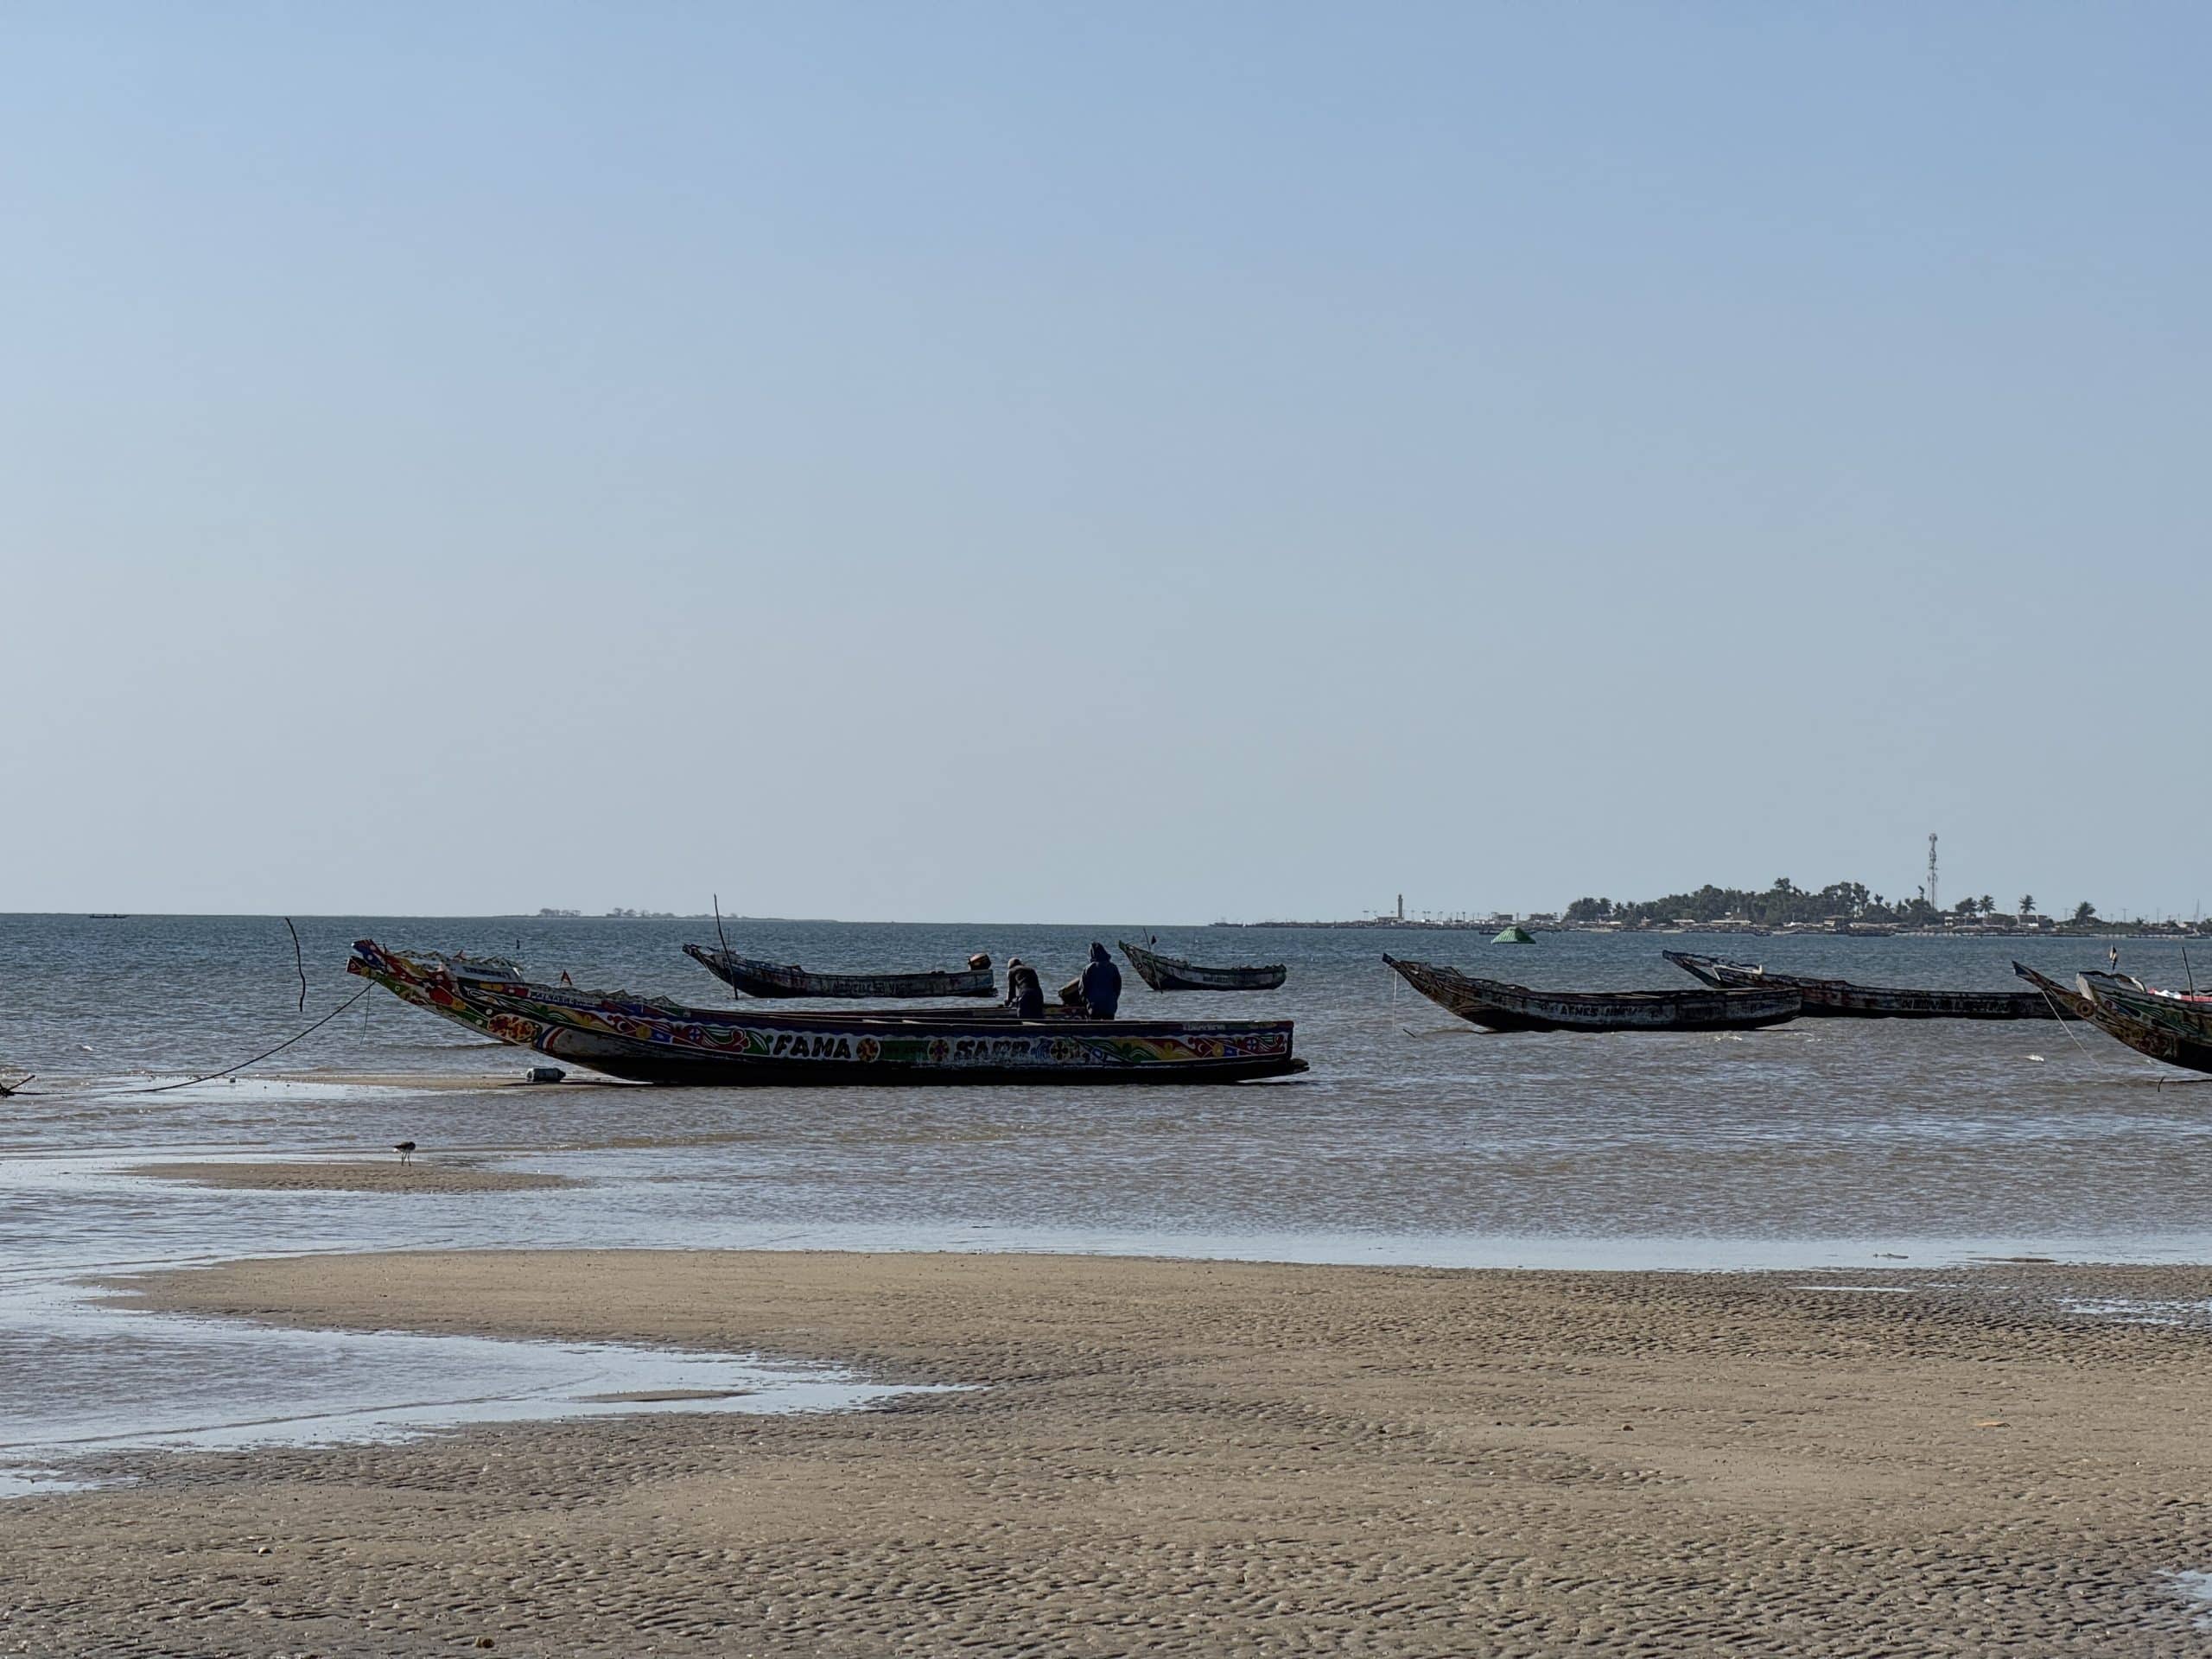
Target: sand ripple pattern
<point>1190,1458</point>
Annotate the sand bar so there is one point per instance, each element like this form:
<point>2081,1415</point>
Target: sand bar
<point>1196,1458</point>
<point>385,1175</point>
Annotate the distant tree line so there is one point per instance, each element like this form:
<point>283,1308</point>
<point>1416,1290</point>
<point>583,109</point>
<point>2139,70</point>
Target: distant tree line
<point>1785,903</point>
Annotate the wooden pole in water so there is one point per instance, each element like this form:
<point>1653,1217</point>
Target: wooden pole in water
<point>724,938</point>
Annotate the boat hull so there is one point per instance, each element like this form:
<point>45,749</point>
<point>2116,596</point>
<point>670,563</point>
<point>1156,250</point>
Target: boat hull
<point>2187,1050</point>
<point>649,1040</point>
<point>1173,974</point>
<point>2187,1019</point>
<point>1498,1005</point>
<point>1839,999</point>
<point>771,980</point>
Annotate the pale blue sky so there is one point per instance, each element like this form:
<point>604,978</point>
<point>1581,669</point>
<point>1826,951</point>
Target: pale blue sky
<point>1043,462</point>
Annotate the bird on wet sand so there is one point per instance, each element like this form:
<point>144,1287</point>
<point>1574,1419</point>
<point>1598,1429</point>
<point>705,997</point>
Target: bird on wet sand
<point>405,1149</point>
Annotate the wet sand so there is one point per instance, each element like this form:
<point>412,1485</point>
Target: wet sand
<point>434,1083</point>
<point>386,1175</point>
<point>1198,1458</point>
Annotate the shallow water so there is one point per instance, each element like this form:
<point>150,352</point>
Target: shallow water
<point>1414,1131</point>
<point>1415,1139</point>
<point>110,1381</point>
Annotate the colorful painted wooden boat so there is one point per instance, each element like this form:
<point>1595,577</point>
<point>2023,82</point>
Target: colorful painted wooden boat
<point>651,1040</point>
<point>2186,1012</point>
<point>1173,974</point>
<point>1840,999</point>
<point>2174,1046</point>
<point>2184,1017</point>
<point>1501,1006</point>
<point>768,979</point>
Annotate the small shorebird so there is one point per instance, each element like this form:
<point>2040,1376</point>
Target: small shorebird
<point>405,1149</point>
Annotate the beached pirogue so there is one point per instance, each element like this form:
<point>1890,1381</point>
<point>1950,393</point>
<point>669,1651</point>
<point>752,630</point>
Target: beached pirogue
<point>1173,974</point>
<point>1840,999</point>
<point>1501,1007</point>
<point>651,1040</point>
<point>768,979</point>
<point>2165,1025</point>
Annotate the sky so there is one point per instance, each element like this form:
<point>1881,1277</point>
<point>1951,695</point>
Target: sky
<point>1052,462</point>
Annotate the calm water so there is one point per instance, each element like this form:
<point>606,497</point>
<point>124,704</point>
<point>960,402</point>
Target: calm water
<point>1412,1126</point>
<point>1414,1138</point>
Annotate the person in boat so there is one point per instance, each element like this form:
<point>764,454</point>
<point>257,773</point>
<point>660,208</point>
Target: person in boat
<point>1025,993</point>
<point>1102,984</point>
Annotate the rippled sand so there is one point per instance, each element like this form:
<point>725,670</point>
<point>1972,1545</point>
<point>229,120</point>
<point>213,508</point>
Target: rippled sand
<point>1205,1457</point>
<point>387,1176</point>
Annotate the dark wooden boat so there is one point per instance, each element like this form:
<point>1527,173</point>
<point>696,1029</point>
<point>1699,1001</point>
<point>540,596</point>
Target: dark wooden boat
<point>1173,974</point>
<point>650,1040</point>
<point>2175,1047</point>
<point>2183,1011</point>
<point>1501,1007</point>
<point>768,979</point>
<point>1840,999</point>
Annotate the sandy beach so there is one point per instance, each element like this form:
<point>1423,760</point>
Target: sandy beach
<point>1186,1457</point>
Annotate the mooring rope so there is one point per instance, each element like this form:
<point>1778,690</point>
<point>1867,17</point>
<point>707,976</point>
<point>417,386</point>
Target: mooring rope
<point>2064,1024</point>
<point>228,1070</point>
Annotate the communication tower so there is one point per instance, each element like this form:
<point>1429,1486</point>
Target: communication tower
<point>1934,903</point>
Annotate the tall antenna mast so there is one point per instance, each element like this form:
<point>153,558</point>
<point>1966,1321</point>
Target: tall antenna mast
<point>1934,903</point>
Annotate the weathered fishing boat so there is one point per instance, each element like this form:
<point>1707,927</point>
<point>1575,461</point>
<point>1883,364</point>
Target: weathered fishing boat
<point>2185,1011</point>
<point>768,979</point>
<point>651,1040</point>
<point>1840,999</point>
<point>2160,1042</point>
<point>1501,1007</point>
<point>1173,974</point>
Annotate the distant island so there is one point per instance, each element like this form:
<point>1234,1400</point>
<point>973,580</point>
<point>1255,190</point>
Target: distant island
<point>1847,907</point>
<point>1841,907</point>
<point>617,914</point>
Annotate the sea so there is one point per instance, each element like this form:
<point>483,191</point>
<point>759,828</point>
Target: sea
<point>1415,1139</point>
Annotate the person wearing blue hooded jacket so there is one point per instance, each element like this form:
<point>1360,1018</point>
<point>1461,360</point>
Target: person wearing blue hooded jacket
<point>1102,984</point>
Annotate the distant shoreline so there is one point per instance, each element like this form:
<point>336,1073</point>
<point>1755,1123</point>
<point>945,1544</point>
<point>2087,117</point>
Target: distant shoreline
<point>2100,930</point>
